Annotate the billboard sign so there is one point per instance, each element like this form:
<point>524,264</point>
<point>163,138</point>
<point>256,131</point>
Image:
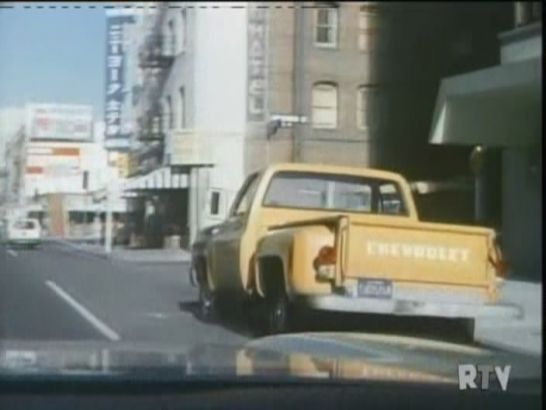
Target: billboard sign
<point>117,41</point>
<point>60,122</point>
<point>53,161</point>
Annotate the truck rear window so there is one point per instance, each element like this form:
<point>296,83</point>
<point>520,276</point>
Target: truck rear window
<point>335,192</point>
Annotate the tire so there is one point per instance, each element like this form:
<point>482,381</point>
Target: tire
<point>279,313</point>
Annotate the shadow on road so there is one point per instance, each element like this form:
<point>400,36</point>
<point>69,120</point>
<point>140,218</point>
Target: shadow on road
<point>313,321</point>
<point>232,322</point>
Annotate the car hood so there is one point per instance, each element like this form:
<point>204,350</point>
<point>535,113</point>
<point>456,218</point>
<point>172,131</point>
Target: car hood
<point>332,356</point>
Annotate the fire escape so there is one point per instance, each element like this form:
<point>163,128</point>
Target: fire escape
<point>155,58</point>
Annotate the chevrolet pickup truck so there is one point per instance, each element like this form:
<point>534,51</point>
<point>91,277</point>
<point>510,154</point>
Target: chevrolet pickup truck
<point>344,239</point>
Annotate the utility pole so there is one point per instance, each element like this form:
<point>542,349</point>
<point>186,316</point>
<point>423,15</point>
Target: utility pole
<point>477,164</point>
<point>108,227</point>
<point>298,80</point>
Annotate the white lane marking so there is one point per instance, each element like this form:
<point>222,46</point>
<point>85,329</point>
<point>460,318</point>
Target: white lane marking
<point>12,253</point>
<point>84,312</point>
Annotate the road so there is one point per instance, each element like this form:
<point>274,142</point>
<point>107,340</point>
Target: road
<point>58,294</point>
<point>53,293</point>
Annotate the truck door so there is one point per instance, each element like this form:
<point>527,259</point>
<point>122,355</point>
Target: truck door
<point>228,237</point>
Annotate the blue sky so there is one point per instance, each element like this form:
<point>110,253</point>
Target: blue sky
<point>52,55</point>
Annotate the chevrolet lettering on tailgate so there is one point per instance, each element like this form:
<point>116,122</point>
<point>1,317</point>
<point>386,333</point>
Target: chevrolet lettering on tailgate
<point>344,239</point>
<point>407,250</point>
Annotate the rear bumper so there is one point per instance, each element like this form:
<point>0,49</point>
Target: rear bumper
<point>401,307</point>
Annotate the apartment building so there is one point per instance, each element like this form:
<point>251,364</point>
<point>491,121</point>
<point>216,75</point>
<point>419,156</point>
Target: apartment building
<point>226,90</point>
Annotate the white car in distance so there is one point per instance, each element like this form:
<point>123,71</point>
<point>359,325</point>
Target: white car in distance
<point>25,232</point>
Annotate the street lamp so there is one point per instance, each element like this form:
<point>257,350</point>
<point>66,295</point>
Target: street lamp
<point>477,163</point>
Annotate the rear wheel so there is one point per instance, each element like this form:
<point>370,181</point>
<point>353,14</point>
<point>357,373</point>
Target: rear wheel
<point>279,312</point>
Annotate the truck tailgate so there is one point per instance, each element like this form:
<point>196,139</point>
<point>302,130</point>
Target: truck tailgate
<point>417,252</point>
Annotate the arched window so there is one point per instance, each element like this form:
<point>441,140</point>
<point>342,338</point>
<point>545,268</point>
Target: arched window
<point>368,110</point>
<point>324,105</point>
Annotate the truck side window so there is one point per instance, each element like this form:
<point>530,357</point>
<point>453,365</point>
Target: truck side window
<point>215,203</point>
<point>245,196</point>
<point>390,199</point>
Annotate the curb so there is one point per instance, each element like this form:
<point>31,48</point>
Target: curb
<point>116,256</point>
<point>79,248</point>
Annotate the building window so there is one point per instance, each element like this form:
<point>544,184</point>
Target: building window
<point>367,28</point>
<point>368,110</point>
<point>182,108</point>
<point>324,105</point>
<point>527,12</point>
<point>168,112</point>
<point>326,27</point>
<point>183,29</point>
<point>215,203</point>
<point>171,38</point>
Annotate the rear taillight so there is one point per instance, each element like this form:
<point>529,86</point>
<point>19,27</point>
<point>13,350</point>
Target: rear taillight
<point>325,263</point>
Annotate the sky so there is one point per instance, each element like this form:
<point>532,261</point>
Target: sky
<point>52,55</point>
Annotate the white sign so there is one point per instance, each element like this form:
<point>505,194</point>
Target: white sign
<point>119,143</point>
<point>60,122</point>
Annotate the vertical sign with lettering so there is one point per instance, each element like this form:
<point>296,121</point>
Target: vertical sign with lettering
<point>257,64</point>
<point>116,49</point>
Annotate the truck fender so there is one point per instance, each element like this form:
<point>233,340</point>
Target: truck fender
<point>270,267</point>
<point>201,269</point>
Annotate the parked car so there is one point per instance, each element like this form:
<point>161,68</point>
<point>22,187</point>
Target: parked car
<point>345,239</point>
<point>24,232</point>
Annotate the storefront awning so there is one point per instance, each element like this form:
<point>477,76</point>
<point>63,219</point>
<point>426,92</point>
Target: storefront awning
<point>158,179</point>
<point>498,106</point>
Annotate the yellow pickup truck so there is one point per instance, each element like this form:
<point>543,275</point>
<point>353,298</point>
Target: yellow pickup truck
<point>344,239</point>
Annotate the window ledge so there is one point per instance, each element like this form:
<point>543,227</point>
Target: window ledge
<point>326,128</point>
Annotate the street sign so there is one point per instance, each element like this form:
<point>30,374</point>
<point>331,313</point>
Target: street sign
<point>288,120</point>
<point>283,121</point>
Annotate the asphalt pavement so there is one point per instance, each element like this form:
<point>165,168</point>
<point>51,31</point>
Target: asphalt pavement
<point>53,294</point>
<point>59,293</point>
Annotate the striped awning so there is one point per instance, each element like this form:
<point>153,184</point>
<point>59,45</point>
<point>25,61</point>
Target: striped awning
<point>158,179</point>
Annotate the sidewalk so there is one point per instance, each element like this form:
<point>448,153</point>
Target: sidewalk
<point>523,334</point>
<point>129,255</point>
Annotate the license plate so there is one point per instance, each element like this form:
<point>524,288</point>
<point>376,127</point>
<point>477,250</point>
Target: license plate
<point>375,288</point>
